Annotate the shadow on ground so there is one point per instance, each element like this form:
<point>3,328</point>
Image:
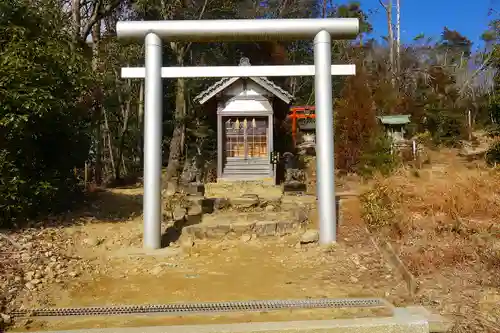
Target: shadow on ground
<point>102,206</point>
<point>110,206</point>
<point>173,232</point>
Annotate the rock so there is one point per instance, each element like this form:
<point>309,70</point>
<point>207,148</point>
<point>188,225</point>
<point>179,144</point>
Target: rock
<point>270,208</point>
<point>285,227</point>
<point>186,243</point>
<point>195,209</point>
<point>310,236</point>
<point>294,186</point>
<point>246,201</point>
<point>6,319</point>
<point>221,203</point>
<point>298,245</point>
<point>194,214</point>
<point>245,238</point>
<point>91,241</point>
<point>217,231</point>
<point>197,189</point>
<point>354,279</point>
<point>30,286</point>
<point>156,270</point>
<point>35,281</point>
<point>171,188</point>
<point>355,260</point>
<point>300,215</point>
<point>29,276</point>
<point>179,213</point>
<point>265,228</point>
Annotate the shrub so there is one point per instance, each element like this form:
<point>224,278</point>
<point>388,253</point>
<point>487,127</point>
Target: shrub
<point>44,125</point>
<point>377,157</point>
<point>493,154</point>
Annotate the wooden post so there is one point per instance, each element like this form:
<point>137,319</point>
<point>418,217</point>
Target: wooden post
<point>469,122</point>
<point>85,175</point>
<point>414,150</point>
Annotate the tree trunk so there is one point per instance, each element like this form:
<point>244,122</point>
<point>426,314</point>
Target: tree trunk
<point>121,143</point>
<point>390,39</point>
<point>398,37</point>
<point>178,136</point>
<point>96,37</point>
<point>140,124</point>
<point>76,21</point>
<point>110,145</point>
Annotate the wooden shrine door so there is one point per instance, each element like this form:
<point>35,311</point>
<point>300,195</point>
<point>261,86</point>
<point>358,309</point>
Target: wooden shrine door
<point>246,143</point>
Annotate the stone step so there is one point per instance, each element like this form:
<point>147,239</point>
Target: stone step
<point>232,225</point>
<point>256,171</point>
<point>235,188</point>
<point>248,167</point>
<point>260,162</point>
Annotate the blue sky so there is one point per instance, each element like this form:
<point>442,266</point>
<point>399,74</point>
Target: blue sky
<point>469,17</point>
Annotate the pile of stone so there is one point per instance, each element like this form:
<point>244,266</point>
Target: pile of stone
<point>32,259</point>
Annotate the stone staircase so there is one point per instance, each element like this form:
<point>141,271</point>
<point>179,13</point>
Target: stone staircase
<point>239,210</point>
<point>244,209</point>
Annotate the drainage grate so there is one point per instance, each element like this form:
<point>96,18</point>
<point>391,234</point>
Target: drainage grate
<point>193,308</point>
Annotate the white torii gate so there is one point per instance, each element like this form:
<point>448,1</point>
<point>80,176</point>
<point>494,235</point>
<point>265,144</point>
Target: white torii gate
<point>322,30</point>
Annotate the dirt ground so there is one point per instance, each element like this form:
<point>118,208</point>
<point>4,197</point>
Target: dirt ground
<point>442,220</point>
<point>274,268</point>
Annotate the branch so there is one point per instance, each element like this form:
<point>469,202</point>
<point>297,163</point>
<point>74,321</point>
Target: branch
<point>283,6</point>
<point>476,72</point>
<point>202,12</point>
<point>97,14</point>
<point>384,5</point>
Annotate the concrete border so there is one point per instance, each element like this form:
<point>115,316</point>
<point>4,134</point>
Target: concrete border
<point>404,323</point>
<point>387,251</point>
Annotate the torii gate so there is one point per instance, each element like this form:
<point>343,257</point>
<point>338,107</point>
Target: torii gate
<point>322,30</point>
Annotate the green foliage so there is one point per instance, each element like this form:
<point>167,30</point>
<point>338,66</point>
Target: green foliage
<point>492,156</point>
<point>377,158</point>
<point>43,119</point>
<point>446,127</point>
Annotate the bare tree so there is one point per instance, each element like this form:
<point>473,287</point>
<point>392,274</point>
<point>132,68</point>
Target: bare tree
<point>86,14</point>
<point>398,36</point>
<point>390,38</point>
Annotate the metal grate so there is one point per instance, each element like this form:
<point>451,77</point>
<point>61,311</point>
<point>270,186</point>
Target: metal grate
<point>194,308</point>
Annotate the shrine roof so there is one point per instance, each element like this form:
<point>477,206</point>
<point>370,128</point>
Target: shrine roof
<point>224,83</point>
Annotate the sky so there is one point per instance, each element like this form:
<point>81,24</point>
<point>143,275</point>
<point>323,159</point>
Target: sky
<point>469,17</point>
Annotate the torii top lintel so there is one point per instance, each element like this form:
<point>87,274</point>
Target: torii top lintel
<point>240,30</point>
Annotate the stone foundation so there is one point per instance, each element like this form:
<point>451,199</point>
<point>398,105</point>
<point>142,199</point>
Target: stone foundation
<point>244,214</point>
<point>238,229</point>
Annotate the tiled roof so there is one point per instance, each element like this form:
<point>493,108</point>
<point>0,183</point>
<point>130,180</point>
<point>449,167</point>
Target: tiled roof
<point>222,83</point>
<point>399,119</point>
<point>264,82</point>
